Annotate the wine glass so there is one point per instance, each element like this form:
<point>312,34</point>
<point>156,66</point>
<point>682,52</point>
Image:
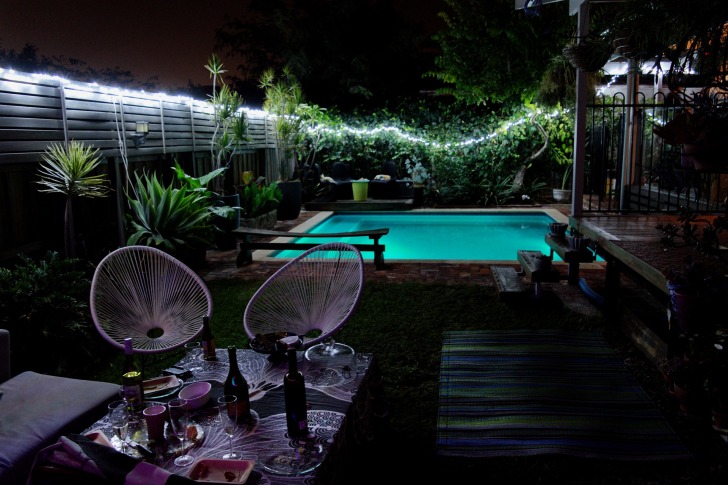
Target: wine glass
<point>119,419</point>
<point>227,408</point>
<point>179,419</point>
<point>194,351</point>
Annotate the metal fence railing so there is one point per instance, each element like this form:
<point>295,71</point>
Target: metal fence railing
<point>630,169</point>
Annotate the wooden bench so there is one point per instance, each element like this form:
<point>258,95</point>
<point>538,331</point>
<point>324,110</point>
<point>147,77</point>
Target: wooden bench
<point>508,282</point>
<point>247,245</point>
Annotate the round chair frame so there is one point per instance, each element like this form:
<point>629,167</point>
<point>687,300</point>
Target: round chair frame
<point>317,291</point>
<point>146,294</point>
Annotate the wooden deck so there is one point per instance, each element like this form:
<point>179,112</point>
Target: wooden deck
<point>632,241</point>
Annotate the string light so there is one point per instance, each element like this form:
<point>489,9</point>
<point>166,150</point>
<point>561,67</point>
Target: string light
<point>206,106</point>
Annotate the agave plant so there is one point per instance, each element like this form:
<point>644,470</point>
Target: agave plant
<point>171,219</point>
<point>68,170</point>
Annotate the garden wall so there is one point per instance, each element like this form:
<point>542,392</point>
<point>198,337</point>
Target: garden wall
<point>36,111</point>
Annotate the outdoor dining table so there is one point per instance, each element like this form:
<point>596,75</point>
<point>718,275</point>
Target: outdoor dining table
<point>344,410</point>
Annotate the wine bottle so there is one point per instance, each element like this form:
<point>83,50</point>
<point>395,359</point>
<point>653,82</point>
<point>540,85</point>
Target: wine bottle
<point>236,385</point>
<point>294,392</point>
<point>130,363</point>
<point>208,341</point>
<point>132,380</point>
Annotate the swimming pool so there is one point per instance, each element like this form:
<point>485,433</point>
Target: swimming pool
<point>440,235</point>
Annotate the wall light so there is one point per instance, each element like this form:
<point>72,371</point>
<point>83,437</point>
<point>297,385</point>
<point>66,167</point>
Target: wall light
<point>140,133</point>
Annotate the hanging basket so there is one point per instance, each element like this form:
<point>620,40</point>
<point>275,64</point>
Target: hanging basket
<point>589,55</point>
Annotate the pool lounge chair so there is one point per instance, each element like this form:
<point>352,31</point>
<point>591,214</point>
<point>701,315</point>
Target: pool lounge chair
<point>339,182</point>
<point>388,185</point>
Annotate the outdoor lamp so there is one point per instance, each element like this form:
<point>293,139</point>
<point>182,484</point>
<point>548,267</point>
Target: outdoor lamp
<point>140,133</point>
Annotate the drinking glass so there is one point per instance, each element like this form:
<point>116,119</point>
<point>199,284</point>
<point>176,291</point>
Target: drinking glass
<point>194,351</point>
<point>227,408</point>
<point>179,419</point>
<point>119,419</point>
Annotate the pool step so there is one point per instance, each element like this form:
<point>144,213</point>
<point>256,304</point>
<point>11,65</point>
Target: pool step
<point>508,282</point>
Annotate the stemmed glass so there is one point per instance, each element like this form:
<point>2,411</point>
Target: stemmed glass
<point>227,408</point>
<point>179,419</point>
<point>194,351</point>
<point>119,419</point>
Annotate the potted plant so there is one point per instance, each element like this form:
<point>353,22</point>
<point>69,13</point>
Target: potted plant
<point>562,193</point>
<point>68,170</point>
<point>285,100</point>
<point>225,208</point>
<point>705,240</point>
<point>259,202</point>
<point>695,290</point>
<point>175,220</point>
<point>699,129</point>
<point>692,42</point>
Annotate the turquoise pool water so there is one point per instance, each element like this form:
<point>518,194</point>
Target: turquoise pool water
<point>441,235</point>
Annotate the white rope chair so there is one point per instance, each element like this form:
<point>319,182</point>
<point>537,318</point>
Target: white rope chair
<point>318,290</point>
<point>150,296</point>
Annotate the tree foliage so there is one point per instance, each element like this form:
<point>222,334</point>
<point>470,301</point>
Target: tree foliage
<point>344,52</point>
<point>492,53</point>
<point>27,59</point>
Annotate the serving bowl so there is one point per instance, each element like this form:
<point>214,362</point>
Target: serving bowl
<point>196,394</point>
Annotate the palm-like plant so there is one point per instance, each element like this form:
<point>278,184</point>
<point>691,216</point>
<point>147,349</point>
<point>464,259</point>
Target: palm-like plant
<point>168,218</point>
<point>284,99</point>
<point>68,170</point>
<point>231,125</point>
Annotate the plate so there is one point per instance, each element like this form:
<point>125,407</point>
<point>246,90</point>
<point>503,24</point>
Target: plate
<point>208,470</point>
<point>161,386</point>
<point>266,343</point>
<point>290,462</point>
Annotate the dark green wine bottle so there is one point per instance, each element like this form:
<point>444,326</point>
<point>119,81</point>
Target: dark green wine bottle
<point>236,385</point>
<point>294,392</point>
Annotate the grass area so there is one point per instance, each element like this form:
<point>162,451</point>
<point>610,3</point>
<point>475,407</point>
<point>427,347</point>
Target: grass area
<point>402,325</point>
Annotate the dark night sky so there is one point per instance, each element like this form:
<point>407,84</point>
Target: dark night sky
<point>167,38</point>
<point>171,39</point>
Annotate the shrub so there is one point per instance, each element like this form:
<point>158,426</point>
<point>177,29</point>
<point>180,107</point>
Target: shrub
<point>44,306</point>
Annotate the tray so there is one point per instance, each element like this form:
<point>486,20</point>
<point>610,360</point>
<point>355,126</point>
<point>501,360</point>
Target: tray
<point>206,470</point>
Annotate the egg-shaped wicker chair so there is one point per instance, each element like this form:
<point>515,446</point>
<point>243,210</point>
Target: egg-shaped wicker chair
<point>318,290</point>
<point>150,296</point>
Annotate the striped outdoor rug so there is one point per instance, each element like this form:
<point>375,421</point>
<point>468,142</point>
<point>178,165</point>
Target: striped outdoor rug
<point>531,392</point>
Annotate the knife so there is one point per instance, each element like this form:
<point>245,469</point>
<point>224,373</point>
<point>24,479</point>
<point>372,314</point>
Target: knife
<point>141,449</point>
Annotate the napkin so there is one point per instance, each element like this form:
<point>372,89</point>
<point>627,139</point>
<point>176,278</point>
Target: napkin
<point>78,456</point>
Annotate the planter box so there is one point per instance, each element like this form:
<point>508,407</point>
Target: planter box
<point>264,221</point>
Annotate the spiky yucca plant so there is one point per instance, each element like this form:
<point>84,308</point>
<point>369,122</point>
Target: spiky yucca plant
<point>68,170</point>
